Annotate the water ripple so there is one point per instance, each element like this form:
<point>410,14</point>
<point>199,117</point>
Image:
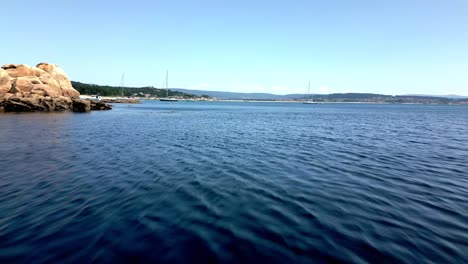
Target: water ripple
<point>236,183</point>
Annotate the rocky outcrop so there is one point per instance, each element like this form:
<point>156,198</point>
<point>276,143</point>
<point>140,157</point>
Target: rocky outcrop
<point>13,103</point>
<point>48,78</point>
<point>31,104</point>
<point>100,106</point>
<point>81,106</point>
<point>45,87</point>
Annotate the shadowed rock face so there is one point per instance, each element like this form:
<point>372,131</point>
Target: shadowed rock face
<point>81,106</point>
<point>45,87</point>
<point>12,103</point>
<point>100,106</point>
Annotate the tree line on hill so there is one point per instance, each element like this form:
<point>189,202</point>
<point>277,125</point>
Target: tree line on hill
<point>105,90</point>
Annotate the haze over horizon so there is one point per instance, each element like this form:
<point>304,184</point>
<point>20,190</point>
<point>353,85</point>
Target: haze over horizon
<point>399,47</point>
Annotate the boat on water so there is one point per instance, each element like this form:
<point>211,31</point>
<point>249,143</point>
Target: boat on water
<point>91,97</point>
<point>167,98</point>
<point>308,100</point>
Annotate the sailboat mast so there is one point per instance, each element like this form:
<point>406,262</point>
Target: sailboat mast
<point>308,100</point>
<point>122,84</point>
<point>167,83</point>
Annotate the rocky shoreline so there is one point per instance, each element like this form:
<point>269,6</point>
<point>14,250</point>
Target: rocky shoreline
<point>49,104</point>
<point>44,88</point>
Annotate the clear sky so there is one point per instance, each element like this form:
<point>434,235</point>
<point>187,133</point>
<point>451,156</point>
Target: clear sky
<point>391,47</point>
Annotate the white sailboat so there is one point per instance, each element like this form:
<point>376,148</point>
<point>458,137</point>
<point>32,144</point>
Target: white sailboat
<point>308,100</point>
<point>167,98</point>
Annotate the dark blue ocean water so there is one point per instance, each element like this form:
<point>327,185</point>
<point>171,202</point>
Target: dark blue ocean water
<point>236,183</point>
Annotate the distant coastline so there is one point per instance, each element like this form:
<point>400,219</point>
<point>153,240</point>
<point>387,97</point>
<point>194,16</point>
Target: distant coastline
<point>336,102</point>
<point>152,93</point>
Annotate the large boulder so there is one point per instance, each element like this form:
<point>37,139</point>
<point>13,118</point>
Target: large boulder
<point>24,84</point>
<point>53,86</point>
<point>45,90</point>
<point>62,79</point>
<point>5,82</point>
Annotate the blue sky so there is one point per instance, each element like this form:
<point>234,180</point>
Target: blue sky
<point>391,47</point>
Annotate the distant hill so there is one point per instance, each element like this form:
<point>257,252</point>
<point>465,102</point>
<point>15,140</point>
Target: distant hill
<point>103,90</point>
<point>336,97</point>
<point>452,96</point>
<point>231,95</point>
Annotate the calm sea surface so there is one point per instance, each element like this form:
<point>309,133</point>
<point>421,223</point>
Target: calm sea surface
<point>236,183</point>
